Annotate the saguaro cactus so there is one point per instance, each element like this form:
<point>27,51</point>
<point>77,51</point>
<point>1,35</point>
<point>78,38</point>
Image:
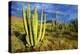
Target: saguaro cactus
<point>30,21</point>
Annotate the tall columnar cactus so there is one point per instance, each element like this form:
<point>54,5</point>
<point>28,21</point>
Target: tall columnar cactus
<point>31,26</point>
<point>40,30</point>
<point>25,25</point>
<point>44,27</point>
<point>35,24</point>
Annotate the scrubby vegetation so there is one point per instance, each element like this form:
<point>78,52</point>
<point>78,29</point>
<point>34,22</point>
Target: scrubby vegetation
<point>57,37</point>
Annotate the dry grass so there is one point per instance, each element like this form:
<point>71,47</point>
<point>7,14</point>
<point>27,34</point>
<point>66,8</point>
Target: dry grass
<point>52,41</point>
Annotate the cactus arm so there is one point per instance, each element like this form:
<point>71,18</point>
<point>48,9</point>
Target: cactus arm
<point>33,27</point>
<point>28,12</point>
<point>25,25</point>
<point>29,24</point>
<point>31,38</point>
<point>44,27</point>
<point>40,32</point>
<point>35,24</point>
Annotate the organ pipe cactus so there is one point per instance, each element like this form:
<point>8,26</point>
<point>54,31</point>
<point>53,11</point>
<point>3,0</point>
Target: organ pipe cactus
<point>34,33</point>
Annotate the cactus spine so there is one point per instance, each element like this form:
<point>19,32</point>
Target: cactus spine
<point>31,26</point>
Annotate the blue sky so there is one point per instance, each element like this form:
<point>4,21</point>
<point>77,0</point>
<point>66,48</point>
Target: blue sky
<point>61,12</point>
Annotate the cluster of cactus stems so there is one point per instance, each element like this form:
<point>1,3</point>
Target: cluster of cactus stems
<point>34,33</point>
